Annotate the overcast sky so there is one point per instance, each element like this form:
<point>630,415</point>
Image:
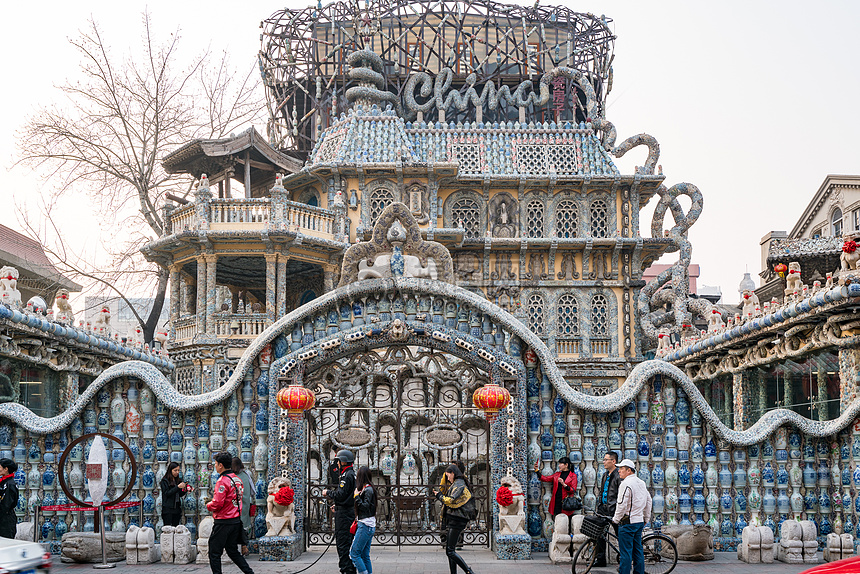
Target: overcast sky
<point>753,102</point>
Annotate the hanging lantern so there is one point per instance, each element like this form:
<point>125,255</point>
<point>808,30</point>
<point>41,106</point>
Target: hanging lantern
<point>295,399</point>
<point>781,269</point>
<point>491,398</point>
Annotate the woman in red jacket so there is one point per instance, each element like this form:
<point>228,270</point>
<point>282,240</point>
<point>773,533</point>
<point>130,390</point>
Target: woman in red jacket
<point>563,485</point>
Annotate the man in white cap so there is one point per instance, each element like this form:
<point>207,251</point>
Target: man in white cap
<point>632,511</point>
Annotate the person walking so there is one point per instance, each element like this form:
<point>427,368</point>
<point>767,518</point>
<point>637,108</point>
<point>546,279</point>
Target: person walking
<point>563,485</point>
<point>632,511</point>
<point>365,515</point>
<point>8,498</point>
<point>172,491</point>
<point>343,497</point>
<point>459,510</point>
<point>607,500</point>
<point>226,509</point>
<point>247,494</point>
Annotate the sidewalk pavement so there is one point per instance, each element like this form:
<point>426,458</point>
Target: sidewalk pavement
<point>430,560</point>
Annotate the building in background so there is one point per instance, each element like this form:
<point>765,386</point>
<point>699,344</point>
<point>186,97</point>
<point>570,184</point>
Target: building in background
<point>37,276</point>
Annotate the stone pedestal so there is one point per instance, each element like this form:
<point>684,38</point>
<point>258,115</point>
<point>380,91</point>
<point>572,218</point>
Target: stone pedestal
<point>838,547</point>
<point>756,545</point>
<point>86,547</point>
<point>513,546</point>
<point>204,531</point>
<point>694,542</point>
<point>280,548</point>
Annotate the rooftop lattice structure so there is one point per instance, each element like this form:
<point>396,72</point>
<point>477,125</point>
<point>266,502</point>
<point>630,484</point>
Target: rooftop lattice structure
<point>304,69</point>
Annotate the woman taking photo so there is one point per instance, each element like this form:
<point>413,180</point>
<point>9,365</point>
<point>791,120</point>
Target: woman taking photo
<point>459,510</point>
<point>563,485</point>
<point>365,516</point>
<point>172,490</point>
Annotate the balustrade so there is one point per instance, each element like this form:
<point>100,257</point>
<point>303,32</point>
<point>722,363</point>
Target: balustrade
<point>567,346</point>
<point>240,325</point>
<point>600,346</point>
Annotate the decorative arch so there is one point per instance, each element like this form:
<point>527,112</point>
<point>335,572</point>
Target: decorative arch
<point>602,312</point>
<point>598,218</point>
<point>468,205</point>
<point>310,196</point>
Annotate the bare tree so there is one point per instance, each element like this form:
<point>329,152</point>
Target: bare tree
<point>108,136</point>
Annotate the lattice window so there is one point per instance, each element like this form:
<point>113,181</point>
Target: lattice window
<point>225,371</point>
<point>469,155</point>
<point>563,159</point>
<point>599,228</point>
<point>531,158</point>
<point>599,317</point>
<point>465,214</point>
<point>537,314</point>
<point>566,219</point>
<point>379,200</point>
<point>568,316</point>
<point>185,380</point>
<point>534,218</point>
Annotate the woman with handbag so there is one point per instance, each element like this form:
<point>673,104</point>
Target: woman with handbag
<point>563,487</point>
<point>248,495</point>
<point>459,510</point>
<point>365,521</point>
<point>172,491</point>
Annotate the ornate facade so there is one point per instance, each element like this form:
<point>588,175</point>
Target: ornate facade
<point>412,259</point>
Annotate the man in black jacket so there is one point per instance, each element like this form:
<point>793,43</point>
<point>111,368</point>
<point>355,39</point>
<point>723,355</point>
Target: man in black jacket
<point>343,497</point>
<point>607,498</point>
<point>8,498</point>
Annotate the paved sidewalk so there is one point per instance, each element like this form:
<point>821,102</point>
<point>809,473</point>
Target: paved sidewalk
<point>429,560</point>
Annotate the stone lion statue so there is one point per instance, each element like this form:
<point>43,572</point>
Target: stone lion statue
<point>280,520</point>
<point>750,303</point>
<point>102,323</point>
<point>793,284</point>
<point>64,313</point>
<point>512,518</point>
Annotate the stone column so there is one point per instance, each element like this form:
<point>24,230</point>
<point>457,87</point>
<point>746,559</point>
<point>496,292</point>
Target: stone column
<point>821,393</point>
<point>211,293</point>
<point>281,309</point>
<point>741,400</point>
<point>271,286</point>
<point>762,393</point>
<point>175,285</point>
<point>329,273</point>
<point>729,404</point>
<point>848,376</point>
<point>201,295</point>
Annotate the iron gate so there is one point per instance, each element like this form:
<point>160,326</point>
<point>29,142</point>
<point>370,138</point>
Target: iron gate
<point>407,449</point>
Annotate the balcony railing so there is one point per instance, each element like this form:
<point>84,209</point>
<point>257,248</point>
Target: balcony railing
<point>185,329</point>
<point>243,214</point>
<point>244,326</point>
<point>600,346</point>
<point>567,346</point>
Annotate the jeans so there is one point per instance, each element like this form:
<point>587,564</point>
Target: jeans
<point>630,548</point>
<point>359,552</point>
<point>455,529</point>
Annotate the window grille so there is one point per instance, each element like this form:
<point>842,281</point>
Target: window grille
<point>599,317</point>
<point>568,317</point>
<point>599,227</point>
<point>566,219</point>
<point>537,318</point>
<point>534,218</point>
<point>465,210</point>
<point>379,200</point>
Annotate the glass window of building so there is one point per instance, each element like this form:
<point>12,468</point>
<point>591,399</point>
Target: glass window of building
<point>836,223</point>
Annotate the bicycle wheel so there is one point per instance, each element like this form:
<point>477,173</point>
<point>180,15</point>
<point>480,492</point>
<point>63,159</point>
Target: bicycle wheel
<point>585,556</point>
<point>661,555</point>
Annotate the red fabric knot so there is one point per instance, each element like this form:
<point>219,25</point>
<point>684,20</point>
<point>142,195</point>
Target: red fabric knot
<point>504,496</point>
<point>284,496</point>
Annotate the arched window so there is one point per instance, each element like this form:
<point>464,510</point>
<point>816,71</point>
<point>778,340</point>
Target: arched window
<point>534,218</point>
<point>380,198</point>
<point>465,214</point>
<point>599,317</point>
<point>537,314</point>
<point>313,201</point>
<point>836,223</point>
<point>568,317</point>
<point>566,219</point>
<point>598,211</point>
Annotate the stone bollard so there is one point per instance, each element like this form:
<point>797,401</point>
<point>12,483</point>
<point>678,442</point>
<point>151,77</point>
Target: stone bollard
<point>790,549</point>
<point>184,552</point>
<point>204,531</point>
<point>167,544</point>
<point>809,534</point>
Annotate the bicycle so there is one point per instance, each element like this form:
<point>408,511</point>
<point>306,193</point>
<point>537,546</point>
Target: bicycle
<point>661,555</point>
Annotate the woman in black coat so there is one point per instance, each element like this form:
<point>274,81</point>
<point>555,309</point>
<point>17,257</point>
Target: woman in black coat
<point>172,490</point>
<point>8,498</point>
<point>459,510</point>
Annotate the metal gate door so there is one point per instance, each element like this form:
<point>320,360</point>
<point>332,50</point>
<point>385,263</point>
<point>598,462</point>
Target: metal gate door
<point>414,431</point>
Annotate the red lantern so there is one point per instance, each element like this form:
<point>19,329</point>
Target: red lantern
<point>491,398</point>
<point>295,399</point>
<point>780,269</point>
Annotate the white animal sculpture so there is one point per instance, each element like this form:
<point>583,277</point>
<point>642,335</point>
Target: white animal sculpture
<point>64,313</point>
